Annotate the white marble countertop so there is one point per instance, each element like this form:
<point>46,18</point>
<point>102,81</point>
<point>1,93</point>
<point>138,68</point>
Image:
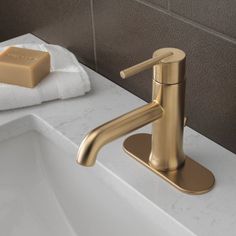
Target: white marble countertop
<point>213,213</point>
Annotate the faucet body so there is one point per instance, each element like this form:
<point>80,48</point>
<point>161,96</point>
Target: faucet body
<point>162,152</point>
<point>167,132</point>
<point>169,91</point>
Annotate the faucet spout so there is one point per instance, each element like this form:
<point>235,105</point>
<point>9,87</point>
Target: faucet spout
<point>114,129</point>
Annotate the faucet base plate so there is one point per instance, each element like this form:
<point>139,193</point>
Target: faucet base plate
<point>190,178</point>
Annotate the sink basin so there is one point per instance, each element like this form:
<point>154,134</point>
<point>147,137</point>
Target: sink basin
<point>44,192</point>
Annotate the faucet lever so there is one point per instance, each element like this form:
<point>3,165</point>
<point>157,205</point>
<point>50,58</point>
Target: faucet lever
<point>133,70</point>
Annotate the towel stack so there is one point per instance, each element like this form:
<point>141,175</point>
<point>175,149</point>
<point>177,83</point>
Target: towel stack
<point>67,79</point>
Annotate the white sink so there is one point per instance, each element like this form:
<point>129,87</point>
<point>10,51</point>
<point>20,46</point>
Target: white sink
<point>44,192</point>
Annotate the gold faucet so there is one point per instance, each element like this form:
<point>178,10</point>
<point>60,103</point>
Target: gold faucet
<point>162,151</point>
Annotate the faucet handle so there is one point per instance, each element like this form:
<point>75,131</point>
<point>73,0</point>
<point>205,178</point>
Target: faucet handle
<point>133,70</point>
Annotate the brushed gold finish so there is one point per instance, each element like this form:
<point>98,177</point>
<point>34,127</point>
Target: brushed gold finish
<point>144,65</point>
<point>171,70</point>
<point>162,152</point>
<point>167,139</point>
<point>190,178</point>
<point>114,129</point>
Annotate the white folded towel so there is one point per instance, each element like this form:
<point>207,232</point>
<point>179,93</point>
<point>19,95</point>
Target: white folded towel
<point>67,79</point>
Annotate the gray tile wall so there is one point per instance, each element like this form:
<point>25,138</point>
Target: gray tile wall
<point>109,35</point>
<point>64,22</point>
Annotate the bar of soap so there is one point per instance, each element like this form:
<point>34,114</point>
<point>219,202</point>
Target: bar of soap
<point>23,67</point>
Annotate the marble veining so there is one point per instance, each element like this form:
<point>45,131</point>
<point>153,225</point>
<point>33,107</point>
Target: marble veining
<point>213,213</point>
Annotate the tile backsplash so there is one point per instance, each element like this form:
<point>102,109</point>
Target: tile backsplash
<point>110,35</point>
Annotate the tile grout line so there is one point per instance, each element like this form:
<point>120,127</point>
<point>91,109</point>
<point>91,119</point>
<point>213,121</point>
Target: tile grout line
<point>203,27</point>
<point>94,34</point>
<point>168,5</point>
<point>188,21</point>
